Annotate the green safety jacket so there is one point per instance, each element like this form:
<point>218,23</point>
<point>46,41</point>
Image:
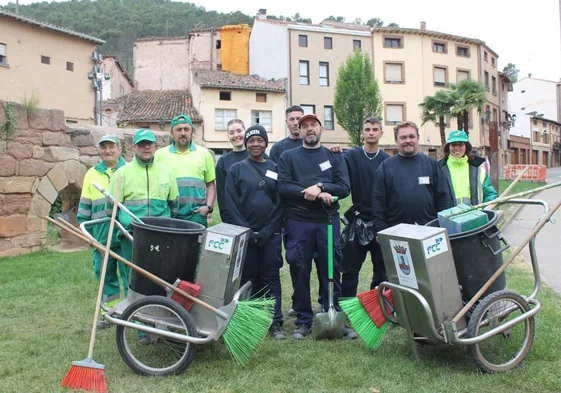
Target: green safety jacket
<point>92,202</point>
<point>193,169</point>
<point>468,180</point>
<point>147,190</point>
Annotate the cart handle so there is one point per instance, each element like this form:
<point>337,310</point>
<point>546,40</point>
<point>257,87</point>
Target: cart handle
<point>85,224</point>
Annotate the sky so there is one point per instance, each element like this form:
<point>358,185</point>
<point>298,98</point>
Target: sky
<point>527,34</point>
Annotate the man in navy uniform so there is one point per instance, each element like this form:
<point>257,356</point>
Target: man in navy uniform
<point>309,177</point>
<point>252,201</point>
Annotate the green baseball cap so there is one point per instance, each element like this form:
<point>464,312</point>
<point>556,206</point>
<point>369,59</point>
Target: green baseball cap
<point>109,138</point>
<point>180,119</point>
<point>144,135</point>
<point>457,136</point>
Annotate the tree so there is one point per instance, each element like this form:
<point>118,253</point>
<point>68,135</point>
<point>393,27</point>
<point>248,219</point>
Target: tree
<point>511,72</point>
<point>357,95</point>
<point>438,108</point>
<point>336,18</point>
<point>393,25</point>
<point>468,95</point>
<point>375,22</point>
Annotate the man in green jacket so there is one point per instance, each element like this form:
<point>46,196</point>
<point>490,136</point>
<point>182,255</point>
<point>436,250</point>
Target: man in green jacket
<point>92,206</point>
<point>148,188</point>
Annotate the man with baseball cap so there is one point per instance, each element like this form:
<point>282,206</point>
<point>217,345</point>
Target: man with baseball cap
<point>193,167</point>
<point>92,207</point>
<point>252,200</point>
<point>309,177</point>
<point>148,187</point>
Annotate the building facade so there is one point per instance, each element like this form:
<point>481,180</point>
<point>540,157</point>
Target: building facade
<point>220,96</point>
<point>409,64</point>
<point>118,83</point>
<point>49,62</point>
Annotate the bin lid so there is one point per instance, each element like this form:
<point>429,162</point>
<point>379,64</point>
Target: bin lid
<point>413,232</point>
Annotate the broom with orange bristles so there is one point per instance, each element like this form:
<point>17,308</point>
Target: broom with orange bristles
<point>87,374</point>
<point>365,314</point>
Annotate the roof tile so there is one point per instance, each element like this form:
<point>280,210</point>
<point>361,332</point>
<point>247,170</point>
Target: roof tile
<point>228,80</point>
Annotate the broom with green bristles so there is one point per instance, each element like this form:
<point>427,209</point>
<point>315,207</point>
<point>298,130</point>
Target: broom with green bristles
<point>243,324</point>
<point>365,314</point>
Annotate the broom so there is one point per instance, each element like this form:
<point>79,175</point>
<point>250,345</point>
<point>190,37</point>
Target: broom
<point>366,316</point>
<point>189,287</point>
<point>243,324</point>
<point>87,374</point>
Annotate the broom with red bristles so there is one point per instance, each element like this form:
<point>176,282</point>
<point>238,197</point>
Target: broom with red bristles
<point>365,314</point>
<point>186,286</point>
<point>87,374</point>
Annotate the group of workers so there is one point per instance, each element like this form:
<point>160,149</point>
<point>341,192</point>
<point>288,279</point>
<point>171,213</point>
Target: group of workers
<point>286,197</point>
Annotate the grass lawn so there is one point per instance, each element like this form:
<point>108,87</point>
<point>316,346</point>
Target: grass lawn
<point>47,306</point>
<point>518,187</point>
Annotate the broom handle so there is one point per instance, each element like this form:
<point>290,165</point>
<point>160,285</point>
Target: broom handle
<point>69,228</point>
<point>116,200</point>
<point>543,220</point>
<point>511,185</point>
<point>103,272</point>
<point>502,200</point>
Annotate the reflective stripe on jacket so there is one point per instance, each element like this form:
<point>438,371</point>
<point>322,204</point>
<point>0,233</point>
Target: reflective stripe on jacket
<point>148,190</point>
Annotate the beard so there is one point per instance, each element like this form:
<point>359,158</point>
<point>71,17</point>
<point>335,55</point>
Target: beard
<point>311,140</point>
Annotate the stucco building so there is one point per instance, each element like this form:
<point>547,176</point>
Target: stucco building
<point>49,62</point>
<point>119,82</point>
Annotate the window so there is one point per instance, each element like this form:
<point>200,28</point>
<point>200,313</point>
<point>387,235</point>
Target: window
<point>45,60</point>
<point>393,72</point>
<point>544,124</point>
<point>486,79</point>
<point>260,97</point>
<point>395,113</point>
<point>218,44</point>
<point>308,109</point>
<point>357,44</point>
<point>440,76</point>
<point>3,54</point>
<point>495,114</point>
<point>439,47</point>
<point>462,51</point>
<point>328,122</point>
<point>493,62</point>
<point>303,40</point>
<point>69,66</point>
<point>485,56</point>
<point>225,96</point>
<point>494,85</point>
<point>304,72</point>
<point>327,43</point>
<point>393,42</point>
<point>323,73</point>
<point>222,117</point>
<point>463,75</point>
<point>265,118</point>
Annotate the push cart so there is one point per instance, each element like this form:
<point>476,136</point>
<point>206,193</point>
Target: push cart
<point>157,335</point>
<point>430,276</point>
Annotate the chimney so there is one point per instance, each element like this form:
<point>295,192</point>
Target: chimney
<point>423,25</point>
<point>262,14</point>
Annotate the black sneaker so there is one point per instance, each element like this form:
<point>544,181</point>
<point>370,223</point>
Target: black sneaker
<point>103,324</point>
<point>276,331</point>
<point>349,333</point>
<point>291,313</point>
<point>301,332</point>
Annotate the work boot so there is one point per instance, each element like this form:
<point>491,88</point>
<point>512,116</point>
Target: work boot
<point>291,313</point>
<point>276,331</point>
<point>301,332</point>
<point>349,333</point>
<point>103,324</point>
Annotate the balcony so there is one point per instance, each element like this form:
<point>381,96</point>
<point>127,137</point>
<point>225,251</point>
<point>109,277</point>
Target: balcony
<point>557,146</point>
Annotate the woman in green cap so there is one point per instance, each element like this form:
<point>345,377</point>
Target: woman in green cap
<point>469,181</point>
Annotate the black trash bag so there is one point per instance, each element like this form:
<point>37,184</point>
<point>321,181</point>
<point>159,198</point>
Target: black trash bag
<point>359,231</point>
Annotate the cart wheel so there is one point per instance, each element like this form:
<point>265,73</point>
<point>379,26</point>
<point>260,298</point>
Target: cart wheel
<point>153,354</point>
<point>508,349</point>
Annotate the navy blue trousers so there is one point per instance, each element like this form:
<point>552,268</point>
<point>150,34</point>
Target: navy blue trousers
<point>304,239</point>
<point>357,254</point>
<point>261,267</point>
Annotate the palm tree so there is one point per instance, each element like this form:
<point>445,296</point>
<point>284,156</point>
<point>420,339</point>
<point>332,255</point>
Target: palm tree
<point>468,95</point>
<point>436,108</point>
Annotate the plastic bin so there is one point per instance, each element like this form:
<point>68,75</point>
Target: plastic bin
<point>167,248</point>
<point>478,255</point>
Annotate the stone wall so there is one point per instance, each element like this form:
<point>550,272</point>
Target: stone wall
<point>41,159</point>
